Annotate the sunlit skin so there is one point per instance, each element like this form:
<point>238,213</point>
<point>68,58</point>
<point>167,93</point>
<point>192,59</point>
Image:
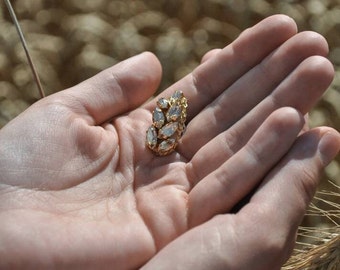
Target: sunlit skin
<point>80,190</point>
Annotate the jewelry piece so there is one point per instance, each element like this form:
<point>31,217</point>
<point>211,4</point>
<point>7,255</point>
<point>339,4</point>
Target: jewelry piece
<point>168,124</point>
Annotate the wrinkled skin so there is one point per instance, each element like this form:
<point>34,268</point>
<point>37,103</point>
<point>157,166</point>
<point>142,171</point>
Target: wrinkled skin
<point>80,190</point>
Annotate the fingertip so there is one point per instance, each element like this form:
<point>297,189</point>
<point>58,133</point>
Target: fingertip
<point>155,64</point>
<point>308,83</point>
<point>281,22</point>
<point>287,118</point>
<point>329,145</point>
<point>284,20</point>
<point>320,67</point>
<point>210,54</point>
<point>152,74</point>
<point>149,71</point>
<point>316,42</point>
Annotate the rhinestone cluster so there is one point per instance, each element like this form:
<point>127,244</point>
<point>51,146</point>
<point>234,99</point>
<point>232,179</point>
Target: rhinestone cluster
<point>168,124</point>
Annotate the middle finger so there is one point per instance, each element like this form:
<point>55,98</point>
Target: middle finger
<point>300,90</point>
<point>249,90</point>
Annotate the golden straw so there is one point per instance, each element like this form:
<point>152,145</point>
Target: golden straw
<point>17,26</point>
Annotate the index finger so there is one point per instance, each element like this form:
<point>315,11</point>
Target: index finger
<point>211,78</point>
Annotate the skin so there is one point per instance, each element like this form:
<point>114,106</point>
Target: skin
<point>80,190</point>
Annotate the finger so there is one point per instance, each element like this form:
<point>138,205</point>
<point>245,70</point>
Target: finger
<point>260,236</point>
<point>235,178</point>
<point>249,90</point>
<point>115,90</point>
<point>293,181</point>
<point>211,78</point>
<point>300,90</point>
<point>210,54</point>
<point>280,202</point>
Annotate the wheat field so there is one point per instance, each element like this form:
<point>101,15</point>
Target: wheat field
<point>71,40</point>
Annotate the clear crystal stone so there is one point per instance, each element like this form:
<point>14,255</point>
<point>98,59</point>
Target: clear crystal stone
<point>151,137</point>
<point>158,118</point>
<point>168,130</point>
<point>173,113</point>
<point>166,145</point>
<point>163,103</point>
<point>177,95</point>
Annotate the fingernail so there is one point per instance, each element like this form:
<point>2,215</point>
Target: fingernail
<point>329,146</point>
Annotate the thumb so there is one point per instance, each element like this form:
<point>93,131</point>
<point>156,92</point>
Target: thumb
<point>115,90</point>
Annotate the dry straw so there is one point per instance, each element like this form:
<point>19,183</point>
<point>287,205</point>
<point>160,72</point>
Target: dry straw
<point>24,44</point>
<point>318,248</point>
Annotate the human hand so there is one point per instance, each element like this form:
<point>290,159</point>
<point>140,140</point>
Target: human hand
<point>80,191</point>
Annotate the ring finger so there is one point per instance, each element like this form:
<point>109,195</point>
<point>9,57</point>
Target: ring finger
<point>300,90</point>
<point>249,90</point>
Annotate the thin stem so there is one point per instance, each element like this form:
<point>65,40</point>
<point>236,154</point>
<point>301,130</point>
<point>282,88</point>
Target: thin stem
<point>23,42</point>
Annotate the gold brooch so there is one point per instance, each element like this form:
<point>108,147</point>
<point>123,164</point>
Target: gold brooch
<point>168,124</point>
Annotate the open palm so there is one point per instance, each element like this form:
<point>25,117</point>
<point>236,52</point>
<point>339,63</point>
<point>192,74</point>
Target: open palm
<point>79,188</point>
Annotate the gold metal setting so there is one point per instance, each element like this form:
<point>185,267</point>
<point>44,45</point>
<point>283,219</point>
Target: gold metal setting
<point>168,124</point>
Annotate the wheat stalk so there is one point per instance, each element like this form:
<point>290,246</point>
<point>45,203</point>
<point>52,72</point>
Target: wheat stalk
<point>324,256</point>
<point>319,248</point>
<point>24,44</point>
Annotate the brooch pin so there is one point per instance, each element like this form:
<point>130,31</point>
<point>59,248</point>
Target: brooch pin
<point>168,124</point>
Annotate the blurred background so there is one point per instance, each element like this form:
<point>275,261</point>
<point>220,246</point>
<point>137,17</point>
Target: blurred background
<point>71,40</point>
